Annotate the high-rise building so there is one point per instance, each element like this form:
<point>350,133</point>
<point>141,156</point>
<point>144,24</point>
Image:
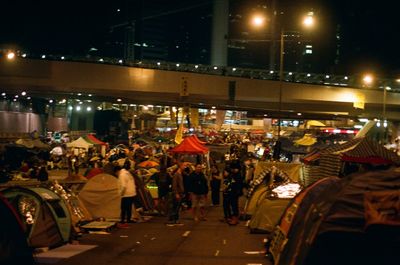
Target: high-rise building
<point>260,47</point>
<point>159,30</point>
<point>181,31</point>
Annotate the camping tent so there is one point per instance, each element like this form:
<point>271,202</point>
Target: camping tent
<point>76,208</point>
<point>101,197</point>
<point>14,249</point>
<point>262,205</point>
<point>44,214</point>
<point>267,215</point>
<point>328,223</point>
<point>80,143</point>
<point>332,161</point>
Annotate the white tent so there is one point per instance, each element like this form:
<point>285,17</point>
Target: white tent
<point>79,143</point>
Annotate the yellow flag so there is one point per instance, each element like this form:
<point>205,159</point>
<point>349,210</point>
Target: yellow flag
<point>359,101</point>
<point>179,132</point>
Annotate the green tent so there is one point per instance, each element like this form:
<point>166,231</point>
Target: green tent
<point>255,200</point>
<point>267,215</point>
<point>45,215</point>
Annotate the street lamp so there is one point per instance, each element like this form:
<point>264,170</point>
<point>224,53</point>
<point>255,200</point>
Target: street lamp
<point>308,22</point>
<point>258,21</point>
<point>10,55</point>
<point>368,81</point>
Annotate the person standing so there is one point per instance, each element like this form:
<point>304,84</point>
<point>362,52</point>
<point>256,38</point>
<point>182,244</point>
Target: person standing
<point>164,183</point>
<point>233,190</point>
<point>215,184</point>
<point>127,190</point>
<point>177,194</point>
<point>198,193</point>
<point>248,171</point>
<point>187,201</point>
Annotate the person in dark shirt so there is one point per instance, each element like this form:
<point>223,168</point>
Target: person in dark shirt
<point>177,193</point>
<point>198,191</point>
<point>215,184</point>
<point>164,182</point>
<point>233,189</point>
<point>187,201</point>
<point>43,175</point>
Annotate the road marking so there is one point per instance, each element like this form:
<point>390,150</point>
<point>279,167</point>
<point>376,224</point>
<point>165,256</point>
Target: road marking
<point>186,234</point>
<point>153,238</point>
<point>123,236</point>
<point>224,242</point>
<point>254,263</point>
<point>216,253</point>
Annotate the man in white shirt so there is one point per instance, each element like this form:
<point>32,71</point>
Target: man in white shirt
<point>127,189</point>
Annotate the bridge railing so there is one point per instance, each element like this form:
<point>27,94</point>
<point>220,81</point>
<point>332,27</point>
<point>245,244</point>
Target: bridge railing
<point>296,77</point>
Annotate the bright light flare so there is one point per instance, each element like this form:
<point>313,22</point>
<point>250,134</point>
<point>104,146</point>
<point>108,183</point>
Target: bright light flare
<point>10,56</point>
<point>368,79</point>
<point>308,21</point>
<point>258,20</point>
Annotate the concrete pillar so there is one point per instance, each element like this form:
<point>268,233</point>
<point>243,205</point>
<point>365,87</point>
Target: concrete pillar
<point>219,40</point>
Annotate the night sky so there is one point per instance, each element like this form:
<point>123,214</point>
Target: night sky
<point>369,31</point>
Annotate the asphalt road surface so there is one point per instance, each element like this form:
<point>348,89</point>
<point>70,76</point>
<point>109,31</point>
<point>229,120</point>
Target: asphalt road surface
<point>208,242</point>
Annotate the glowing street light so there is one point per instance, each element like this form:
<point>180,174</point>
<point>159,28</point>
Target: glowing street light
<point>258,20</point>
<point>309,21</point>
<point>368,79</point>
<point>10,55</point>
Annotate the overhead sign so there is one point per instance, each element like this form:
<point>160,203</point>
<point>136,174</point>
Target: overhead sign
<point>184,87</point>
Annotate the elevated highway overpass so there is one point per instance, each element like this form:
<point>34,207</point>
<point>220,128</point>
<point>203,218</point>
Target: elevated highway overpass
<point>180,85</point>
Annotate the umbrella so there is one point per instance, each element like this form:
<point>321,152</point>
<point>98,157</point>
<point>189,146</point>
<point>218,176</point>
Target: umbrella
<point>315,123</point>
<point>148,164</point>
<point>57,151</point>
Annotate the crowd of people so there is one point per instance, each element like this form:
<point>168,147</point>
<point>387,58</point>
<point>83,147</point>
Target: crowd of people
<point>184,186</point>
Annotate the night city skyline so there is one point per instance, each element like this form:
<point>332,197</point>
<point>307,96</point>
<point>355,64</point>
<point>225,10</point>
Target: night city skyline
<point>367,33</point>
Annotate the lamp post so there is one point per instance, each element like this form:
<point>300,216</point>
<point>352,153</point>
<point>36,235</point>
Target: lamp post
<point>258,21</point>
<point>385,123</point>
<point>368,81</point>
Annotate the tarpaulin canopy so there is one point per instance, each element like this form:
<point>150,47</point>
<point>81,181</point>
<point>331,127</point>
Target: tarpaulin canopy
<point>92,139</point>
<point>189,146</point>
<point>80,143</point>
<point>329,161</point>
<point>196,139</point>
<point>362,150</point>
